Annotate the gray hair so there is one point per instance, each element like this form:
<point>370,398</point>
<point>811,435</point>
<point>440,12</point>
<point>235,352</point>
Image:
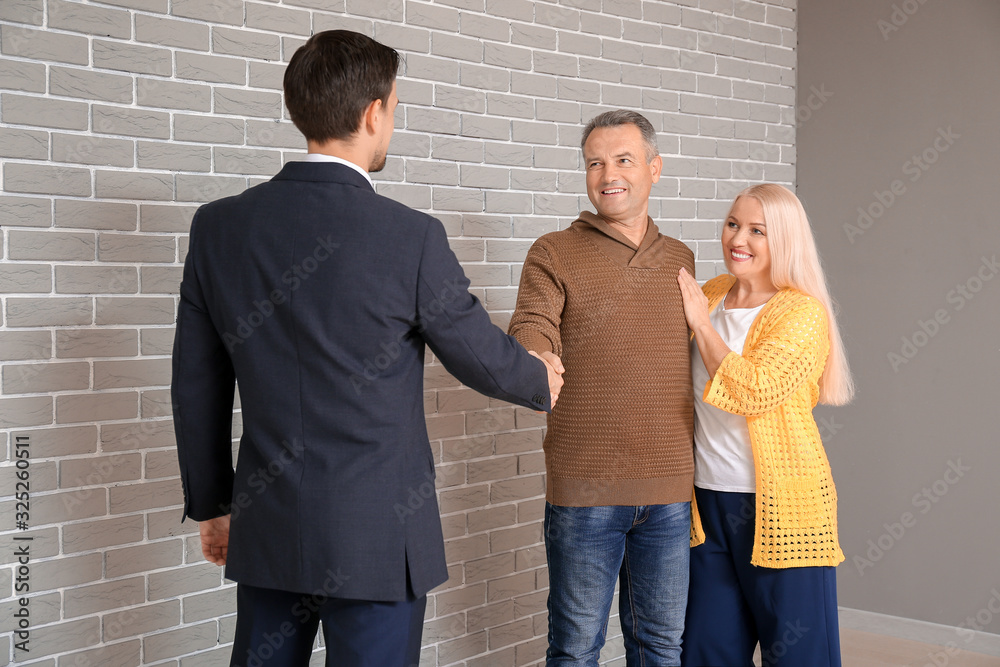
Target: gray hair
<point>620,117</point>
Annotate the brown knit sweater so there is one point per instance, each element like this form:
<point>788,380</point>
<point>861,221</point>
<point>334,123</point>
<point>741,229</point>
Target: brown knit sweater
<point>621,433</point>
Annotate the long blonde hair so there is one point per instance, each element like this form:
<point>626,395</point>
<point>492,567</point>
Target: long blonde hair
<point>795,263</point>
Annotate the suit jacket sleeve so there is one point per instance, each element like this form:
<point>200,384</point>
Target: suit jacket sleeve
<point>201,391</point>
<point>458,330</point>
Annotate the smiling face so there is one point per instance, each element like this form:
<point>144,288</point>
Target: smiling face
<point>619,175</point>
<point>744,241</point>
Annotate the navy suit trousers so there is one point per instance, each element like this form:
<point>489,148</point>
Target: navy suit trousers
<point>278,628</point>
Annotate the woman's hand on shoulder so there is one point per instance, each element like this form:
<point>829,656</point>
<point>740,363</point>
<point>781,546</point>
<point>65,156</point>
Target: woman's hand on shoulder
<point>695,301</point>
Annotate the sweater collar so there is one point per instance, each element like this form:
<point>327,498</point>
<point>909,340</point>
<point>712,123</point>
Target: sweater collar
<point>618,247</point>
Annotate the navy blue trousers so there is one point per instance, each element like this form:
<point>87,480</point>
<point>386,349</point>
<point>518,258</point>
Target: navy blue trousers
<point>278,628</point>
<point>733,605</point>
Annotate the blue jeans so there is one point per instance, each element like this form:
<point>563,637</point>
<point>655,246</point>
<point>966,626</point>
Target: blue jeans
<point>646,548</point>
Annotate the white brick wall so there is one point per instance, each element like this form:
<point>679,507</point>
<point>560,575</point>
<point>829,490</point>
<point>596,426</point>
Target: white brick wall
<point>118,117</point>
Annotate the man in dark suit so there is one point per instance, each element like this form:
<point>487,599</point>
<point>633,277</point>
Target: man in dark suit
<point>317,296</point>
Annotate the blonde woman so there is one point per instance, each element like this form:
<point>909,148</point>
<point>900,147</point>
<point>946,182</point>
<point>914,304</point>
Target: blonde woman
<point>766,349</point>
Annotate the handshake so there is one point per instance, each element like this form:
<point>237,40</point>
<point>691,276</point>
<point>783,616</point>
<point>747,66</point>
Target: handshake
<point>555,369</point>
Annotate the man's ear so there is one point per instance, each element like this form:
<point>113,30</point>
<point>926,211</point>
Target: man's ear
<point>372,119</point>
<point>655,167</point>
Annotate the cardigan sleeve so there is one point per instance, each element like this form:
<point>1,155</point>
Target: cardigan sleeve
<point>783,357</point>
<point>540,301</point>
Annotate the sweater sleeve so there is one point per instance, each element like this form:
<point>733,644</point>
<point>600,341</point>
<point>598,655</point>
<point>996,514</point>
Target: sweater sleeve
<point>782,358</point>
<point>540,300</point>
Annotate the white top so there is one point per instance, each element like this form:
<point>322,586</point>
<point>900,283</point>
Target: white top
<point>723,458</point>
<point>323,157</point>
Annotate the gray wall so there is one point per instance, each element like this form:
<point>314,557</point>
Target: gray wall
<point>881,85</point>
<point>118,117</point>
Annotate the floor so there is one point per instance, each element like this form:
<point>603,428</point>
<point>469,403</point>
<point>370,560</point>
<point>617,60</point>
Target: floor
<point>866,649</point>
<point>863,649</point>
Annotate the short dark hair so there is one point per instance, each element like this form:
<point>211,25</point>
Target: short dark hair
<point>331,80</point>
<point>620,117</point>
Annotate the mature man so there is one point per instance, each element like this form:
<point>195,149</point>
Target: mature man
<point>318,296</point>
<point>603,295</point>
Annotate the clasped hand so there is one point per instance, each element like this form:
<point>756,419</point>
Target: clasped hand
<point>555,369</point>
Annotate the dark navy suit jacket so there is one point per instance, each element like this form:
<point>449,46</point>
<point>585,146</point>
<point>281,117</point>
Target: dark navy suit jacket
<point>317,296</point>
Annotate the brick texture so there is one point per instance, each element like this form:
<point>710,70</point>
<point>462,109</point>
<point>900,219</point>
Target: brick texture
<point>117,118</point>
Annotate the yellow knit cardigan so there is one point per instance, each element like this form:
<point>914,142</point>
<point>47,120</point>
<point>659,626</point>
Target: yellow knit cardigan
<point>775,385</point>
